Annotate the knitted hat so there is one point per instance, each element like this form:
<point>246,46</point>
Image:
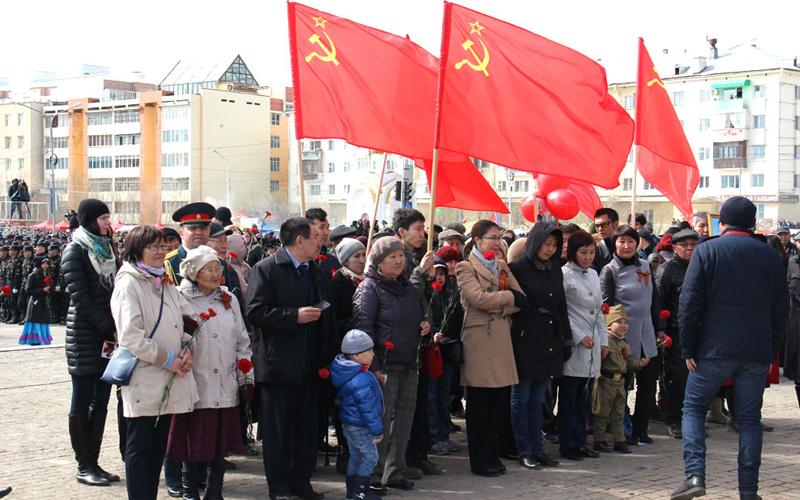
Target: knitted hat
<point>738,211</point>
<point>38,261</point>
<point>195,260</point>
<point>224,215</point>
<point>356,342</point>
<point>347,248</point>
<point>383,248</point>
<point>616,313</point>
<point>90,210</point>
<point>448,254</point>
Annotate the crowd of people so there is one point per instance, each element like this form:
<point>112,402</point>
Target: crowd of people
<point>384,340</point>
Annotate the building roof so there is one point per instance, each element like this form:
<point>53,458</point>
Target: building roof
<point>230,69</point>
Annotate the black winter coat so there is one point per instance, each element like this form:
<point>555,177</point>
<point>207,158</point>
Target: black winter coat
<point>791,355</point>
<point>389,311</point>
<point>89,320</point>
<point>669,283</point>
<point>539,334</point>
<point>274,295</point>
<point>343,290</point>
<point>38,310</point>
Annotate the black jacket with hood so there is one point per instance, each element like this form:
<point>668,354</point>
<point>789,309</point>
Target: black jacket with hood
<point>539,334</point>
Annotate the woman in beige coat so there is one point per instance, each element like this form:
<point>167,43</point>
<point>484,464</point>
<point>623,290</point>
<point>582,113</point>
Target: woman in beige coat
<point>488,293</point>
<point>136,305</point>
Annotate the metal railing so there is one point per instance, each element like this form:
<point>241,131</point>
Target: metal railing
<point>31,212</point>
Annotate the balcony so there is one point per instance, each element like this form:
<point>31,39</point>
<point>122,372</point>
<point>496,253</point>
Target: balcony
<point>311,175</point>
<point>730,105</point>
<point>311,155</point>
<point>730,163</point>
<point>731,134</point>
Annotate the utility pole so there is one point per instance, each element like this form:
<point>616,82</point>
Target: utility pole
<point>227,177</point>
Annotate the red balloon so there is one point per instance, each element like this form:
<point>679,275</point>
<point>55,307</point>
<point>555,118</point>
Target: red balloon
<point>528,208</point>
<point>563,204</point>
<point>549,183</point>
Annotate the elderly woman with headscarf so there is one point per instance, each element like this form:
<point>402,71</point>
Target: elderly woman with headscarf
<point>221,367</point>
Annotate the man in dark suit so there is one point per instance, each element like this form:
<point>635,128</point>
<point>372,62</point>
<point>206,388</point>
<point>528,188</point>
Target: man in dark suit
<point>292,341</point>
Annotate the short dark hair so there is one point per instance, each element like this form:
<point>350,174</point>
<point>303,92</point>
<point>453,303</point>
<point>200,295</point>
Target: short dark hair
<point>294,227</point>
<point>684,225</point>
<point>623,231</point>
<point>578,240</point>
<point>315,214</point>
<point>138,238</point>
<point>612,214</point>
<point>479,230</point>
<point>640,218</point>
<point>404,217</point>
<point>570,229</point>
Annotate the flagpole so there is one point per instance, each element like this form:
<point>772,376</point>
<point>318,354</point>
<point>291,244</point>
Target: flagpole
<point>633,197</point>
<point>300,176</point>
<point>377,202</point>
<point>432,211</point>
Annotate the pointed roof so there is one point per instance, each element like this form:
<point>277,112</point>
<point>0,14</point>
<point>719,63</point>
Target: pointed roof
<point>226,69</point>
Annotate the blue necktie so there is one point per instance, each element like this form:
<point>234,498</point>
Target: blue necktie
<point>308,286</point>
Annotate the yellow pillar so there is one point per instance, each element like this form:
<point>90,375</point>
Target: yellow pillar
<point>78,183</point>
<point>150,157</point>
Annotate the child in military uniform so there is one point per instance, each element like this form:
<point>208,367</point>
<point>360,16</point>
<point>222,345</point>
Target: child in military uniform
<point>609,394</point>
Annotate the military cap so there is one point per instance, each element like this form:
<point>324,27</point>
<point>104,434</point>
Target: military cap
<point>783,229</point>
<point>54,246</point>
<point>16,246</point>
<point>342,232</point>
<point>195,214</point>
<point>27,248</point>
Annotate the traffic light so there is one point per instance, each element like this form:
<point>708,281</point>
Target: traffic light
<point>408,191</point>
<point>398,190</point>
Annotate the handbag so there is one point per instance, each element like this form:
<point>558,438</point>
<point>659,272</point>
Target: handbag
<point>123,361</point>
<point>431,361</point>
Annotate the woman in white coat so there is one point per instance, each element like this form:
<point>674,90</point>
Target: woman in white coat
<point>590,346</point>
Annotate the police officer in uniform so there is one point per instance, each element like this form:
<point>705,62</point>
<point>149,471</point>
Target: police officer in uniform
<point>27,269</point>
<point>195,222</point>
<point>54,271</point>
<point>5,311</point>
<point>14,280</point>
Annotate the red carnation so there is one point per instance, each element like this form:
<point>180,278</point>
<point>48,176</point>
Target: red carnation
<point>668,341</point>
<point>245,365</point>
<point>665,314</point>
<point>333,273</point>
<point>324,373</point>
<point>388,345</point>
<point>233,255</point>
<point>5,290</point>
<point>489,255</point>
<point>212,312</point>
<point>253,231</point>
<point>47,279</point>
<point>605,308</point>
<point>437,286</point>
<point>267,213</point>
<point>204,316</point>
<point>322,258</point>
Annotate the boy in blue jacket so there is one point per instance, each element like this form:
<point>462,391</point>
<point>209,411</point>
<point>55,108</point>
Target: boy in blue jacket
<point>360,410</point>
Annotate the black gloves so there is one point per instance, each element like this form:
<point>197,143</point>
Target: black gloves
<point>521,301</point>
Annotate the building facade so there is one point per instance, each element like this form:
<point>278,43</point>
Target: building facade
<point>21,151</point>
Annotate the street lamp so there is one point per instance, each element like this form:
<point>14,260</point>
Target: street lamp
<point>227,175</point>
<point>53,158</point>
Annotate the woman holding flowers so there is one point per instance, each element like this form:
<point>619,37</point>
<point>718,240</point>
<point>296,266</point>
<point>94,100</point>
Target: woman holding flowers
<point>149,313</point>
<point>212,430</point>
<point>37,319</point>
<point>590,344</point>
<point>489,295</point>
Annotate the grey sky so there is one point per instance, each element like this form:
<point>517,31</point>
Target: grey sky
<point>151,36</point>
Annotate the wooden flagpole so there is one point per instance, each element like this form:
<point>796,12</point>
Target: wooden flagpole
<point>633,197</point>
<point>432,211</point>
<point>377,202</point>
<point>300,175</point>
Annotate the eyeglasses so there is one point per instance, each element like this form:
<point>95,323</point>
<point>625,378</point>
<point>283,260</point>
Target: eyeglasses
<point>602,225</point>
<point>688,244</point>
<point>490,238</point>
<point>156,248</point>
<point>213,270</point>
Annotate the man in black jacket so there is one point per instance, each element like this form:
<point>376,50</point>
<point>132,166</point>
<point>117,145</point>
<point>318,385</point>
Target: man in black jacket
<point>669,282</point>
<point>292,341</point>
<point>606,220</point>
<point>733,312</point>
<point>328,261</point>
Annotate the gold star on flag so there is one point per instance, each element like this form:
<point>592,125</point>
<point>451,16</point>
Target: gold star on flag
<point>476,28</point>
<point>319,21</point>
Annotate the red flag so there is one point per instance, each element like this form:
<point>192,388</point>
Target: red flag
<point>664,156</point>
<point>378,91</point>
<point>517,99</point>
<point>587,195</point>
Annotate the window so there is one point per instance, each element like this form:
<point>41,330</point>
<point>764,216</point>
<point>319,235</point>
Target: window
<point>99,140</point>
<point>347,189</point>
<point>173,112</point>
<point>175,135</point>
<point>175,184</point>
<point>330,145</point>
<point>21,163</point>
<point>797,152</point>
<point>100,185</point>
<point>314,145</point>
<point>126,184</point>
<point>126,207</point>
<point>103,118</point>
<point>331,189</point>
<point>331,168</point>
<point>797,180</point>
<point>704,153</point>
<point>126,161</point>
<point>127,116</point>
<point>705,124</point>
<point>757,180</point>
<point>390,165</point>
<point>629,101</point>
<point>677,98</point>
<point>797,122</point>
<point>729,150</point>
<point>63,164</point>
<point>501,185</point>
<point>8,164</point>
<point>681,121</point>
<point>275,119</point>
<point>759,210</point>
<point>730,181</point>
<point>630,157</point>
<point>315,190</point>
<point>175,160</point>
<point>705,95</point>
<point>100,162</point>
<point>363,163</point>
<point>274,164</point>
<point>8,120</point>
<point>274,186</point>
<point>168,207</point>
<point>759,91</point>
<point>21,141</point>
<point>58,143</point>
<point>347,166</point>
<point>126,139</point>
<point>758,121</point>
<point>274,141</point>
<point>8,142</point>
<point>797,92</point>
<point>648,186</point>
<point>20,119</point>
<point>703,182</point>
<point>627,184</point>
<point>521,186</point>
<point>758,152</point>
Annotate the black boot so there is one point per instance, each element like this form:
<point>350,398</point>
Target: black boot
<point>189,481</point>
<point>79,435</point>
<point>216,473</point>
<point>361,489</point>
<point>97,425</point>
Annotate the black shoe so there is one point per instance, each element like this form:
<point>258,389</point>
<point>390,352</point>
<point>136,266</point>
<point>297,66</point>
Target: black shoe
<point>550,437</point>
<point>693,487</point>
<point>676,431</point>
<point>632,440</point>
<point>490,472</point>
<point>545,460</point>
<point>5,491</point>
<point>458,414</point>
<point>401,484</point>
<point>573,455</point>
<point>378,488</point>
<point>175,492</point>
<point>455,427</point>
<point>308,495</point>
<point>501,468</point>
<point>529,462</point>
<point>281,496</point>
<point>587,453</point>
<point>644,438</point>
<point>603,447</point>
<point>622,447</point>
<point>229,465</point>
<point>429,468</point>
<point>742,496</point>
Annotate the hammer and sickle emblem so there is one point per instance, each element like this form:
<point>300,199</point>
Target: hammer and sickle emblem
<point>330,54</point>
<point>657,79</point>
<point>481,66</point>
